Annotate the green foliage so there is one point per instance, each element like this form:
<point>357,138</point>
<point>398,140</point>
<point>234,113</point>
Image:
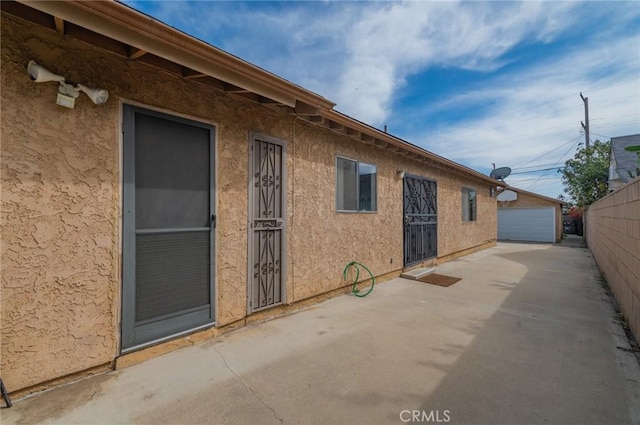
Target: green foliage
<point>585,175</point>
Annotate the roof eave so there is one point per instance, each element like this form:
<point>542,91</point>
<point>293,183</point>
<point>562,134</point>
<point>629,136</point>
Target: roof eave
<point>384,137</point>
<point>536,195</point>
<point>129,26</point>
<point>126,25</point>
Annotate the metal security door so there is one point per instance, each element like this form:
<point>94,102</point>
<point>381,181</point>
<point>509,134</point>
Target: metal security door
<point>267,215</point>
<point>420,219</point>
<point>168,233</point>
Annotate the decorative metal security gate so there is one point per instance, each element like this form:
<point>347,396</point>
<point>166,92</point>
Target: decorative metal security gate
<point>268,223</point>
<point>420,219</point>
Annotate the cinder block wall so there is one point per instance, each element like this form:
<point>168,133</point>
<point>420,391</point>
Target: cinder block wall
<point>613,236</point>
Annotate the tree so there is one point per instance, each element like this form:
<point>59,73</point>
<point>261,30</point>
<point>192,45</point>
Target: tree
<point>585,175</point>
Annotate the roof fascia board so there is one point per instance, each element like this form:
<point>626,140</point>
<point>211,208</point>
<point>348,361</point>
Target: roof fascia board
<point>535,195</point>
<point>349,122</point>
<point>126,25</point>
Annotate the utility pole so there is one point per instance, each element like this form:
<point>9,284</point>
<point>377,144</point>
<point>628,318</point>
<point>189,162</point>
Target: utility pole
<point>586,120</point>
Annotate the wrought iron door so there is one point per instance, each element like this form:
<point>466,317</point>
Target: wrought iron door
<point>268,222</point>
<point>420,219</point>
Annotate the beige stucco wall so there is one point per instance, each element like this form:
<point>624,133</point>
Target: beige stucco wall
<point>612,231</point>
<point>527,201</point>
<point>59,218</point>
<point>61,199</point>
<point>324,240</point>
<point>61,202</point>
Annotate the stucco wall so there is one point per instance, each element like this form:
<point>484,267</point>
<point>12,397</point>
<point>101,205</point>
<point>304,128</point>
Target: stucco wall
<point>527,201</point>
<point>324,240</point>
<point>61,202</point>
<point>59,217</point>
<point>61,199</point>
<point>613,235</point>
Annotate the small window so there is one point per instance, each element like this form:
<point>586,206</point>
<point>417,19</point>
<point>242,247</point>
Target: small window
<point>469,204</point>
<point>356,186</point>
<point>492,192</point>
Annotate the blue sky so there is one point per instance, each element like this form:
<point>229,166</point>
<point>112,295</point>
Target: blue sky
<point>476,82</point>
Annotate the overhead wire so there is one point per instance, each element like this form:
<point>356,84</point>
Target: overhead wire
<point>532,166</point>
<point>557,162</point>
<point>536,171</point>
<point>539,179</point>
<point>572,141</point>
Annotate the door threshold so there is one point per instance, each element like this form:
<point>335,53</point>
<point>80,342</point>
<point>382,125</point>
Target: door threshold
<point>418,273</point>
<point>166,338</point>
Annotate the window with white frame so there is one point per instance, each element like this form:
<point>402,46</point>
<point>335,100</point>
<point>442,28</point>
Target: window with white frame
<point>469,204</point>
<point>356,186</point>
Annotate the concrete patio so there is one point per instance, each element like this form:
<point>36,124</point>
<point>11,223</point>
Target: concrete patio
<point>528,336</point>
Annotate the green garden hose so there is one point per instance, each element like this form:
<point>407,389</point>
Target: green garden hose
<point>354,289</point>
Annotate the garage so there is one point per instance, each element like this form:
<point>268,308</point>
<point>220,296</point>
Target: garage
<point>527,224</point>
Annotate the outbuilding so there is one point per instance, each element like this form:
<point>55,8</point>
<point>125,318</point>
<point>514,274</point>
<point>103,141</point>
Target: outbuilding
<point>528,216</point>
<point>201,194</point>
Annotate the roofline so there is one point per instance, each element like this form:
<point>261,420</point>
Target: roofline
<point>125,24</point>
<point>536,195</point>
<point>346,120</point>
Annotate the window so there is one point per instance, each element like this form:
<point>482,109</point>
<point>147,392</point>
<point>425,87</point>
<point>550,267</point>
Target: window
<point>356,186</point>
<point>469,204</point>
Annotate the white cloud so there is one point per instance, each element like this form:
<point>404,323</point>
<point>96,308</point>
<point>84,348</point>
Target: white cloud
<point>361,55</point>
<point>392,41</point>
<point>539,109</point>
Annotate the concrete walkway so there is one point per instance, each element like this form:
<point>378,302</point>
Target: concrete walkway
<point>528,336</point>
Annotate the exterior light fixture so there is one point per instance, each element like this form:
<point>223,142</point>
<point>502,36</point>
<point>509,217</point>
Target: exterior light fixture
<point>67,93</point>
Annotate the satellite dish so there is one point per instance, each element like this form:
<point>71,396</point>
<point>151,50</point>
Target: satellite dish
<point>500,173</point>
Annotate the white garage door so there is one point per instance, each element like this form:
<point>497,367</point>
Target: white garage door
<point>527,224</point>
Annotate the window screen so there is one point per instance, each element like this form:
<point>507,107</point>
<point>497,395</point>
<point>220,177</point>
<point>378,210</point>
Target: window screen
<point>356,186</point>
<point>469,204</point>
<point>172,174</point>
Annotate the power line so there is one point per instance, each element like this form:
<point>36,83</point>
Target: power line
<point>609,99</point>
<point>532,166</point>
<point>617,116</point>
<point>559,160</point>
<point>551,151</point>
<point>536,171</point>
<point>609,87</point>
<point>602,135</point>
<point>616,124</point>
<point>538,179</point>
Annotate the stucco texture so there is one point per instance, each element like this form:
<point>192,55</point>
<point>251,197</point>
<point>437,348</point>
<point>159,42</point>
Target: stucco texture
<point>61,199</point>
<point>529,201</point>
<point>59,218</point>
<point>61,202</point>
<point>324,240</point>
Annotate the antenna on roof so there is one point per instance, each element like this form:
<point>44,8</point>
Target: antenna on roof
<point>500,173</point>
